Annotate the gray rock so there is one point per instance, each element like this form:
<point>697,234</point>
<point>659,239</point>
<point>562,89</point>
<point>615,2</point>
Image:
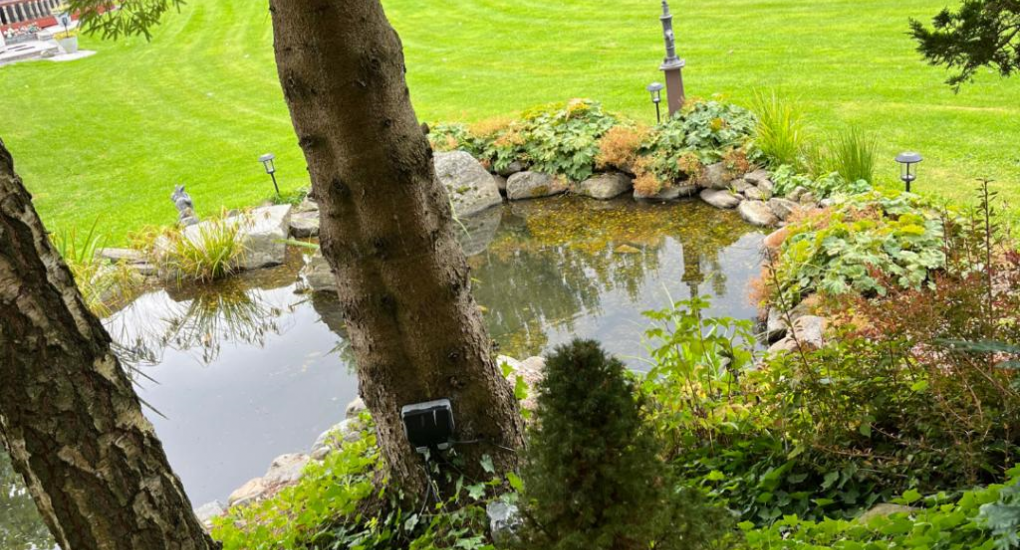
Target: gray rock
<point>783,208</point>
<point>757,176</point>
<point>121,255</point>
<point>333,439</point>
<point>355,408</point>
<point>604,186</point>
<point>317,274</point>
<point>715,176</point>
<point>767,186</point>
<point>757,213</point>
<point>531,370</point>
<point>470,186</point>
<point>511,169</point>
<point>285,470</point>
<point>476,232</point>
<point>533,185</point>
<point>504,520</point>
<point>775,326</point>
<point>786,345</point>
<point>209,511</point>
<point>756,194</point>
<point>808,199</point>
<point>740,186</point>
<point>144,269</point>
<point>796,194</point>
<point>667,194</point>
<point>307,205</point>
<point>262,233</point>
<point>304,224</point>
<point>810,330</point>
<point>720,198</point>
<point>251,491</point>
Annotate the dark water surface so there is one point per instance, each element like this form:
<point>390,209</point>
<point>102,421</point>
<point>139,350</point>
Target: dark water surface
<point>246,370</point>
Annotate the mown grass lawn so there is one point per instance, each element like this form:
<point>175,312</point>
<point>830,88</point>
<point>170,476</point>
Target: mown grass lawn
<point>107,137</point>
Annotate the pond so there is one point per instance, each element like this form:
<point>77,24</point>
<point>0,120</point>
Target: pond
<point>238,373</point>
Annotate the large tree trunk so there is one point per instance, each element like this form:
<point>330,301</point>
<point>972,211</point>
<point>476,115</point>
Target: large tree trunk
<point>69,416</point>
<point>386,231</point>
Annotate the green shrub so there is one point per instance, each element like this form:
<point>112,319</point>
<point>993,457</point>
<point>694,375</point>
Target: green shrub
<point>559,139</point>
<point>718,416</point>
<point>694,356</point>
<point>446,136</point>
<point>564,140</point>
<point>850,247</point>
<point>704,132</point>
<point>780,133</point>
<point>831,183</point>
<point>712,127</point>
<point>592,477</point>
<point>332,489</point>
<point>981,519</point>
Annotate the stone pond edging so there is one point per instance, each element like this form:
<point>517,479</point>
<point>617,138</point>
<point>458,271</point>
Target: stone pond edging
<point>474,190</point>
<point>286,470</point>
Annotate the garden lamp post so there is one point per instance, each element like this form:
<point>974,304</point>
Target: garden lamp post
<point>908,167</point>
<point>655,89</point>
<point>267,162</point>
<point>672,65</point>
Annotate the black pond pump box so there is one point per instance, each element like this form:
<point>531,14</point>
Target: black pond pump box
<point>428,425</point>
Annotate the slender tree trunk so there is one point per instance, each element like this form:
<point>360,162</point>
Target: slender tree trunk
<point>386,231</point>
<point>69,416</point>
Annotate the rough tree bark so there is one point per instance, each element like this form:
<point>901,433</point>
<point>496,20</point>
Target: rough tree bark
<point>69,416</point>
<point>386,231</point>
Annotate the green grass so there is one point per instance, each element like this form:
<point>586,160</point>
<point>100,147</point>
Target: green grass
<point>107,137</point>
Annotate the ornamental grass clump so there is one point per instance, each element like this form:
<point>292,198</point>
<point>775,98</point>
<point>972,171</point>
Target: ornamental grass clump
<point>853,155</point>
<point>780,132</point>
<point>203,253</point>
<point>593,478</point>
<point>97,280</point>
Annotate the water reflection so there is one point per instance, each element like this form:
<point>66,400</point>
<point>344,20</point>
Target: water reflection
<point>248,369</point>
<point>565,267</point>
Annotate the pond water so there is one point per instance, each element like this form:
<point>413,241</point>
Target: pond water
<point>236,374</point>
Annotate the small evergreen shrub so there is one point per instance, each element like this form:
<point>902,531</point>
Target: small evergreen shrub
<point>593,478</point>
